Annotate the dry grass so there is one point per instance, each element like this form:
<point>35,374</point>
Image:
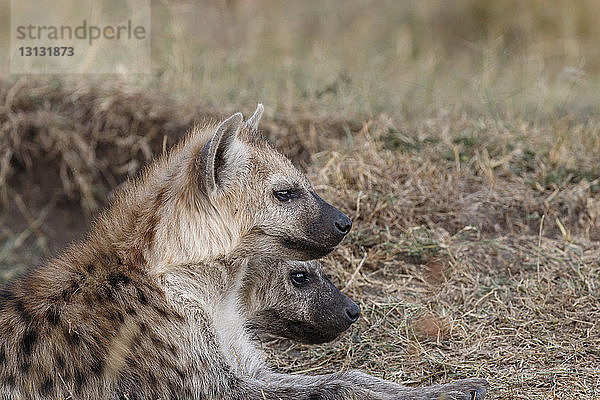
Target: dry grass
<point>462,137</point>
<point>469,256</point>
<point>463,269</point>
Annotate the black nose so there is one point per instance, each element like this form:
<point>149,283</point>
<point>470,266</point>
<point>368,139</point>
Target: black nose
<point>352,312</point>
<point>343,224</point>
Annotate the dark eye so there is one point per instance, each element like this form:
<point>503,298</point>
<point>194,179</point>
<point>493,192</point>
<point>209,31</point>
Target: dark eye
<point>286,195</point>
<point>298,278</point>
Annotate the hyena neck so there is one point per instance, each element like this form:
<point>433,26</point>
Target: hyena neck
<point>215,297</point>
<point>192,231</point>
<point>206,285</point>
<point>165,219</point>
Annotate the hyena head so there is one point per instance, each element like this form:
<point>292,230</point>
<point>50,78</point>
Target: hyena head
<point>295,300</point>
<point>228,192</point>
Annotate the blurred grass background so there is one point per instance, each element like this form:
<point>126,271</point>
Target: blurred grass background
<point>357,57</point>
<point>462,136</point>
<point>399,57</point>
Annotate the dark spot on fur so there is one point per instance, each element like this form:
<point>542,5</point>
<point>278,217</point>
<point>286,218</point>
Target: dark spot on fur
<point>10,381</point>
<point>131,311</point>
<point>23,313</point>
<point>177,316</point>
<point>90,268</point>
<point>157,342</point>
<point>116,279</point>
<point>72,337</point>
<point>80,380</point>
<point>20,307</point>
<point>67,376</point>
<point>60,361</point>
<point>89,300</point>
<point>136,342</point>
<point>28,342</point>
<point>94,341</point>
<point>143,328</point>
<point>53,315</point>
<point>2,355</point>
<point>98,366</point>
<point>130,362</point>
<point>109,293</point>
<point>142,297</point>
<point>70,291</point>
<point>25,366</point>
<point>161,311</point>
<point>46,387</point>
<point>180,373</point>
<point>120,317</point>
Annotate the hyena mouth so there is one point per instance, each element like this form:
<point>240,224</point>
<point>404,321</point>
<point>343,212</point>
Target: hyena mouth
<point>311,249</point>
<point>308,333</point>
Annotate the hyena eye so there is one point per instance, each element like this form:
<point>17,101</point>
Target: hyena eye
<point>298,278</point>
<point>286,195</point>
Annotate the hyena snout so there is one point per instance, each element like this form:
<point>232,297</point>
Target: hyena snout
<point>351,311</point>
<point>316,228</point>
<point>338,222</point>
<point>332,313</point>
<point>342,224</point>
<point>331,225</point>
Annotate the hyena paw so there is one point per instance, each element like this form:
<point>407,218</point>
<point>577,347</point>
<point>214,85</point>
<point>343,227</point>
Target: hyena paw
<point>464,389</point>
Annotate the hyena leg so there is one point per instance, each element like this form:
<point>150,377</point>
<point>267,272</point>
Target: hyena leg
<point>214,378</point>
<point>470,388</point>
<point>279,387</point>
<point>221,379</point>
<point>367,386</point>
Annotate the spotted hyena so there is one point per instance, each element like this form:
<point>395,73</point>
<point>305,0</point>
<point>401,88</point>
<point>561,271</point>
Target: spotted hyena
<point>300,303</point>
<point>297,302</point>
<point>149,305</point>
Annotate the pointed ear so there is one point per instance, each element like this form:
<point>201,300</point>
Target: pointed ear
<point>253,121</point>
<point>218,148</point>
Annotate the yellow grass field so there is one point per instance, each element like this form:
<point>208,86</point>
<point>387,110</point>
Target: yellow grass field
<point>461,136</point>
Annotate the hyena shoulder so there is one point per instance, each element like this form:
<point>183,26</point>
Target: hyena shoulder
<point>100,331</point>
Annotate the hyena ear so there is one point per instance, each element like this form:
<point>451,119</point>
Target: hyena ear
<point>253,121</point>
<point>218,149</point>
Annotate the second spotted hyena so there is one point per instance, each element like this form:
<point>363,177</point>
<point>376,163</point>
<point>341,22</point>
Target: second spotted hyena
<point>297,301</point>
<point>149,304</point>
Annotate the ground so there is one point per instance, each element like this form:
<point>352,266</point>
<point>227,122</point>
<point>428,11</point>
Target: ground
<point>468,256</point>
<point>466,155</point>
